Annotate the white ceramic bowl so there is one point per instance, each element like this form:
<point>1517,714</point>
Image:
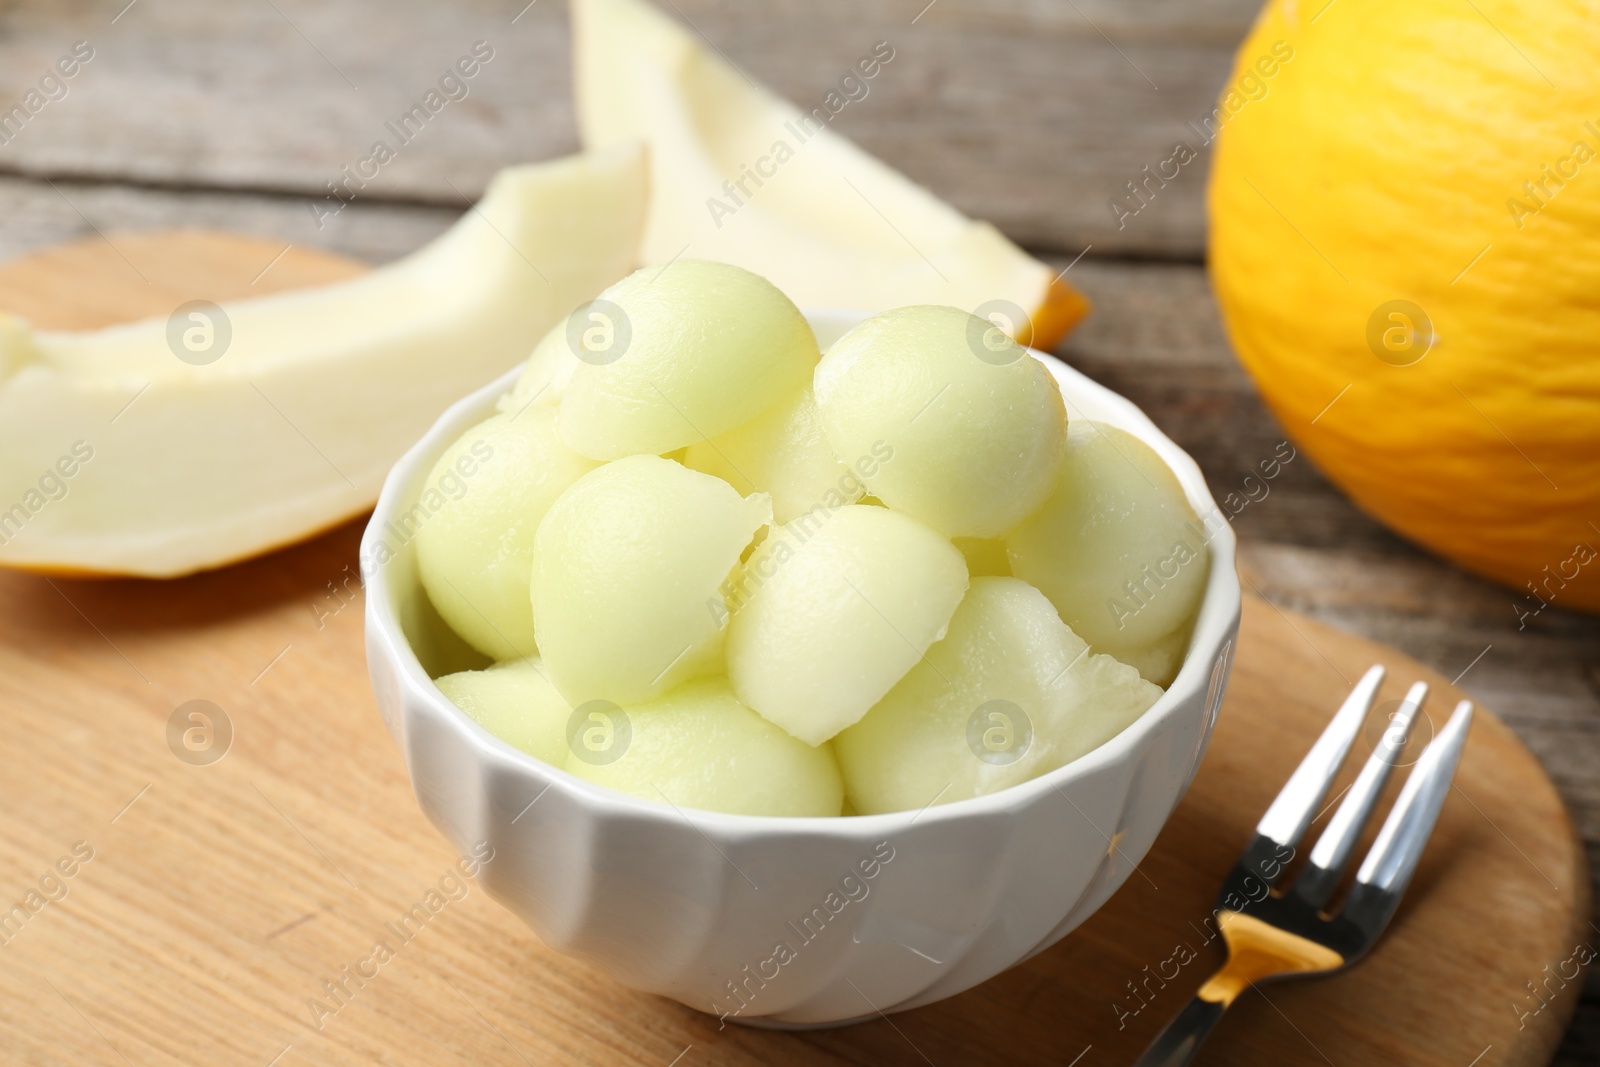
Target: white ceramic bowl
<point>877,912</point>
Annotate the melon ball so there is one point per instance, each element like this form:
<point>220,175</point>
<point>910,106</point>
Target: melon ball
<point>1116,548</point>
<point>627,570</point>
<point>544,377</point>
<point>832,609</point>
<point>673,355</point>
<point>1008,694</point>
<point>974,424</point>
<point>698,747</point>
<point>784,453</point>
<point>476,519</point>
<point>515,702</point>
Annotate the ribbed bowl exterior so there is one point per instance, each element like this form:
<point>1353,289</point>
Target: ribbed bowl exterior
<point>791,922</point>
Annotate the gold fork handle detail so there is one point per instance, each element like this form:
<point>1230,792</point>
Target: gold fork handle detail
<point>1255,951</point>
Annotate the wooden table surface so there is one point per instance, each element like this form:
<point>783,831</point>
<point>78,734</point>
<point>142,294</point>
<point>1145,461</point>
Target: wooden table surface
<point>1031,113</point>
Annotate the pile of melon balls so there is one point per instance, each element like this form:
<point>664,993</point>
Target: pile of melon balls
<point>718,569</point>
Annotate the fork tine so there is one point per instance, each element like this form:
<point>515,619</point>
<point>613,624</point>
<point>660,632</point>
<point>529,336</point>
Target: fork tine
<point>1332,852</point>
<point>1283,935</point>
<point>1394,856</point>
<point>1286,820</point>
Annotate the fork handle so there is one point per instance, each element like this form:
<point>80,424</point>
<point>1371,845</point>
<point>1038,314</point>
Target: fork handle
<point>1179,1042</point>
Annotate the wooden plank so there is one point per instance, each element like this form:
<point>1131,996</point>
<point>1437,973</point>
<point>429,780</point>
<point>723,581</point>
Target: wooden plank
<point>40,214</point>
<point>1027,113</point>
<point>175,266</point>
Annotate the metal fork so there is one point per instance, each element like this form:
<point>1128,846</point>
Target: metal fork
<point>1286,933</point>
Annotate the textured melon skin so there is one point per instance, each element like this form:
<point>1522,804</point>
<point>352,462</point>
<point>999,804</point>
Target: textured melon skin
<point>1008,694</point>
<point>670,356</point>
<point>832,609</point>
<point>699,747</point>
<point>475,551</point>
<point>976,426</point>
<point>627,569</point>
<point>1116,548</point>
<point>514,701</point>
<point>1468,422</point>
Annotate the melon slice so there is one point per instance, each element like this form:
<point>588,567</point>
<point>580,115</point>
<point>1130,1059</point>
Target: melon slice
<point>828,224</point>
<point>223,452</point>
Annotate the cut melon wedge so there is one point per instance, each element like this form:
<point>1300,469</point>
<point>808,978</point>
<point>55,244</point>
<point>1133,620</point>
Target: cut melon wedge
<point>292,427</point>
<point>824,221</point>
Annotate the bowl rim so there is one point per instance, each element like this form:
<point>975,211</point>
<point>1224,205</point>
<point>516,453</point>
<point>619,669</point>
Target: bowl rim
<point>1215,625</point>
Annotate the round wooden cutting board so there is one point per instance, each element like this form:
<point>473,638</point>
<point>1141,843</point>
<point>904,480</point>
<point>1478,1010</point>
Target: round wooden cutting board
<point>160,910</point>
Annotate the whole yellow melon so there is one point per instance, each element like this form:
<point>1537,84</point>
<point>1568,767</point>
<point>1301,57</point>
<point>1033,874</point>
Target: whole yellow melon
<point>1405,242</point>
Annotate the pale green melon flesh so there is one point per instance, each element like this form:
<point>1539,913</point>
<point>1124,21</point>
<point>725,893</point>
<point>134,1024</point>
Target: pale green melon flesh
<point>484,500</point>
<point>673,355</point>
<point>698,747</point>
<point>976,432</point>
<point>515,702</point>
<point>1008,694</point>
<point>785,454</point>
<point>1116,547</point>
<point>832,609</point>
<point>627,570</point>
<point>545,375</point>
